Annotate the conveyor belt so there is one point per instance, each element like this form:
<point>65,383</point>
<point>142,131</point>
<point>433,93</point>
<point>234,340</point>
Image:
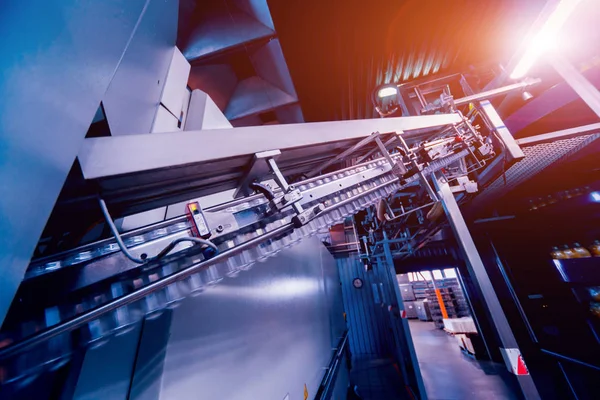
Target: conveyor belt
<point>119,293</point>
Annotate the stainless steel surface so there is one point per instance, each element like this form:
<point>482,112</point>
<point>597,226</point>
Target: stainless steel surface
<point>133,97</point>
<point>106,371</point>
<point>479,274</point>
<point>262,335</point>
<point>105,157</point>
<point>559,135</point>
<point>54,76</point>
<point>146,378</point>
<point>588,92</point>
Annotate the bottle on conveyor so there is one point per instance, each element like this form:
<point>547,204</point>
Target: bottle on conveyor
<point>595,248</point>
<point>580,251</point>
<point>557,254</point>
<point>568,252</point>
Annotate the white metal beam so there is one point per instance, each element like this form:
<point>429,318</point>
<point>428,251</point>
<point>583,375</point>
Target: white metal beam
<point>111,156</point>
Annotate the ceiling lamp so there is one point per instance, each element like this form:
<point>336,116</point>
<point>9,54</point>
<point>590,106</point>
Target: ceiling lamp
<point>387,92</point>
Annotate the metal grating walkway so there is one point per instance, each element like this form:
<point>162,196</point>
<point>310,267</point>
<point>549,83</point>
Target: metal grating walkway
<point>537,158</point>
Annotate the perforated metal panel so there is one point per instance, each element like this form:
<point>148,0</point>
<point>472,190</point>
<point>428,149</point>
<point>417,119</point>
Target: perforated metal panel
<point>537,158</point>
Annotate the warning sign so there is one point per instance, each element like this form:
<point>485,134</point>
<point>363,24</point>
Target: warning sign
<point>514,361</point>
<point>305,392</point>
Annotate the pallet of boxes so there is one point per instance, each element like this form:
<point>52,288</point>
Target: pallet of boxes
<point>464,331</point>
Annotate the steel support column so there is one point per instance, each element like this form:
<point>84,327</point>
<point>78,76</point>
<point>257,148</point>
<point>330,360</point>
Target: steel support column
<point>578,82</point>
<point>508,343</point>
<point>405,341</point>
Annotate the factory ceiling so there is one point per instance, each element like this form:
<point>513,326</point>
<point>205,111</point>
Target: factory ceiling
<point>338,51</point>
<point>282,61</point>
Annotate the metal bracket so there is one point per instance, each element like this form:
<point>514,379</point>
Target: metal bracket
<point>307,215</point>
<point>258,170</point>
<point>376,148</point>
<point>291,195</point>
<point>464,184</point>
<point>345,153</point>
<point>398,167</point>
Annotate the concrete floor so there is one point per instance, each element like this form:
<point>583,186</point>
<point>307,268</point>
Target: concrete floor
<point>448,374</point>
<point>378,379</point>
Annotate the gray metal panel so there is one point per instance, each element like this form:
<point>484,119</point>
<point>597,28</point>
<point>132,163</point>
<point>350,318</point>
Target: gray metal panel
<point>260,335</point>
<point>175,85</point>
<point>258,9</point>
<point>58,58</point>
<point>203,113</point>
<point>367,336</point>
<point>269,64</point>
<point>256,95</point>
<point>103,157</point>
<point>106,371</point>
<point>221,27</point>
<point>149,364</point>
<point>133,96</point>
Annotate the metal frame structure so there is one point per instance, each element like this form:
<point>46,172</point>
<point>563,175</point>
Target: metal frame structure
<point>510,349</point>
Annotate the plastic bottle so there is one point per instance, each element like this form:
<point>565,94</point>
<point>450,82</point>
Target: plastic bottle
<point>557,254</point>
<point>595,248</point>
<point>568,252</point>
<point>580,251</point>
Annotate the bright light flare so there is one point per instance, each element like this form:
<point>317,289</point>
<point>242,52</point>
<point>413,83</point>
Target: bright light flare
<point>546,38</point>
<point>387,92</point>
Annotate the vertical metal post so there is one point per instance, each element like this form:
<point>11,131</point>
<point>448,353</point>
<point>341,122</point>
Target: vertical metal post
<point>391,270</point>
<point>509,347</point>
<point>578,82</point>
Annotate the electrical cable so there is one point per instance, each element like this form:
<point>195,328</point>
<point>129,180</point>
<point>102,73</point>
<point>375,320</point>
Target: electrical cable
<point>505,158</point>
<point>161,254</point>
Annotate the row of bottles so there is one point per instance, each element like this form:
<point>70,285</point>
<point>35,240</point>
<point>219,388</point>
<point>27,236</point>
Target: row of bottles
<point>540,202</point>
<point>575,251</point>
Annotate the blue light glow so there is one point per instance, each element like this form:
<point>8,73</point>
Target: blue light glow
<point>595,196</point>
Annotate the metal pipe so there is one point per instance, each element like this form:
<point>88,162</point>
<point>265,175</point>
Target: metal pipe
<point>559,135</point>
<point>411,211</point>
<point>496,92</point>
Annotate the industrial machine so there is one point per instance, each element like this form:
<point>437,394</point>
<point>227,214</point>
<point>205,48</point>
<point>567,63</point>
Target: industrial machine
<point>289,183</point>
<point>148,220</point>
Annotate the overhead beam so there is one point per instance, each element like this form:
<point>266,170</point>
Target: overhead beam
<point>112,156</point>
